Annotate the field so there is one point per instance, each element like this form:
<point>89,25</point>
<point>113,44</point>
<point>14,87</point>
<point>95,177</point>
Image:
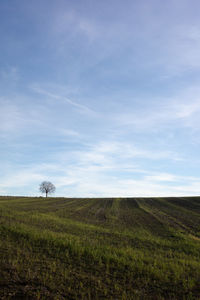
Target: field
<point>125,248</point>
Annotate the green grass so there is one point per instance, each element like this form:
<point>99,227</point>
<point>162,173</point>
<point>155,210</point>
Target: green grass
<point>125,248</point>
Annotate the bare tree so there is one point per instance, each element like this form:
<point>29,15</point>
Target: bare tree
<point>47,187</point>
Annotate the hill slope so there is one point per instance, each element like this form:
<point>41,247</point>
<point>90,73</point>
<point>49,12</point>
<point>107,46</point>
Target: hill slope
<point>126,248</point>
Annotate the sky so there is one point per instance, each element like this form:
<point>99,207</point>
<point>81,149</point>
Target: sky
<point>102,98</point>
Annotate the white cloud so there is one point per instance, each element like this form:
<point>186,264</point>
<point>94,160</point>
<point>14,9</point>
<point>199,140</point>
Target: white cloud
<point>105,54</point>
<point>21,178</point>
<point>95,172</point>
<point>162,177</point>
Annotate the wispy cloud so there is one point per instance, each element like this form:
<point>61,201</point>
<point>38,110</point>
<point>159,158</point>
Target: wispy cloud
<point>94,171</point>
<point>17,120</point>
<point>100,101</point>
<point>10,74</point>
<point>64,21</point>
<point>81,108</point>
<point>180,110</point>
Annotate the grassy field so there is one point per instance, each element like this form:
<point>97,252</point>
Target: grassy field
<point>125,248</point>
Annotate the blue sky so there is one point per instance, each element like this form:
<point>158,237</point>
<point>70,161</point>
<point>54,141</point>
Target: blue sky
<point>100,97</point>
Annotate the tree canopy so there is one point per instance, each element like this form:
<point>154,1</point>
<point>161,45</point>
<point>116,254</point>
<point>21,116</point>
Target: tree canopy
<point>46,187</point>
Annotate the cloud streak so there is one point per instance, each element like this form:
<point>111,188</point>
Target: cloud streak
<point>81,108</point>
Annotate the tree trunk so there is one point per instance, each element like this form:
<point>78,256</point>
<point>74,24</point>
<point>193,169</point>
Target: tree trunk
<point>46,194</point>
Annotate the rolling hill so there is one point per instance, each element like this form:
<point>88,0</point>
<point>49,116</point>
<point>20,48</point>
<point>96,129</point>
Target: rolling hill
<point>114,248</point>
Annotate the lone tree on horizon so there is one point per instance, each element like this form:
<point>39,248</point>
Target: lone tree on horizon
<point>47,187</point>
